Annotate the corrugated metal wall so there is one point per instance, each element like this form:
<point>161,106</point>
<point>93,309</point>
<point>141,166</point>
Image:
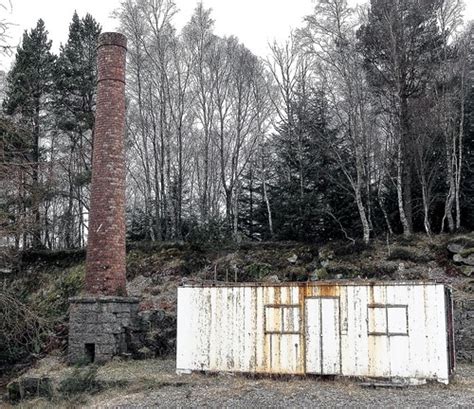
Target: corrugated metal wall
<point>356,330</point>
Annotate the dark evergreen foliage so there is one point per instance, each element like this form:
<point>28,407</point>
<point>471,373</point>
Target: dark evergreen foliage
<point>28,97</point>
<point>76,76</point>
<point>468,155</point>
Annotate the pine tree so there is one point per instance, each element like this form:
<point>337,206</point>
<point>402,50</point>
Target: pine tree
<point>28,95</point>
<point>75,82</point>
<point>76,76</point>
<point>320,206</point>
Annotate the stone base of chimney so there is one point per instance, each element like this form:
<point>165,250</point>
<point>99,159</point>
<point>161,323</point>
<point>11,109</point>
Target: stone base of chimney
<point>100,327</point>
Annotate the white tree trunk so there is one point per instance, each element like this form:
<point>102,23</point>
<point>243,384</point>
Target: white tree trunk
<point>401,207</point>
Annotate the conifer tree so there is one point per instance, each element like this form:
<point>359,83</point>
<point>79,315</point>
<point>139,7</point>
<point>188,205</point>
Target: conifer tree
<point>76,76</point>
<point>75,82</point>
<point>28,94</point>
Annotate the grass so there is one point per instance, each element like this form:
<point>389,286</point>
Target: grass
<point>81,380</point>
<point>131,382</point>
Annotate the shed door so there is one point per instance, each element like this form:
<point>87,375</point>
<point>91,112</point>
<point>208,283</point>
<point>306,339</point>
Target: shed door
<point>323,348</point>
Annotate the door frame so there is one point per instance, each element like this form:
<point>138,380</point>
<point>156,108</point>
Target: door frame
<point>305,321</point>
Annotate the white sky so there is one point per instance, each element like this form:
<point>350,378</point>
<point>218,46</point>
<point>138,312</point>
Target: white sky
<point>254,22</point>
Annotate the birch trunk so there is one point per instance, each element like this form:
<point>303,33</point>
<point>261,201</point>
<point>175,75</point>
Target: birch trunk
<point>401,207</point>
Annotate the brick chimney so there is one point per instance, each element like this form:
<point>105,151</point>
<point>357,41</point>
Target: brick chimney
<point>105,264</point>
<point>102,321</point>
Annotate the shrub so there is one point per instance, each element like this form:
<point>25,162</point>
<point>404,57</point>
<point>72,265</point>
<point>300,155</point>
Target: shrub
<point>256,271</point>
<point>406,254</point>
<point>55,302</point>
<point>378,271</point>
<point>81,380</point>
<point>60,258</point>
<point>406,241</point>
<point>343,270</point>
<point>348,249</point>
<point>22,330</point>
<point>202,236</point>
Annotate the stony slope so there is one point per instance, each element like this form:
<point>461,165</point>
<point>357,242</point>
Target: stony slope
<point>46,279</point>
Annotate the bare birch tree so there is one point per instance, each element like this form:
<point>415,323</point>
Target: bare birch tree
<point>329,38</point>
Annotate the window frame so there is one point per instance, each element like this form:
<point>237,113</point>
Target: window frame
<point>282,308</point>
<point>387,332</point>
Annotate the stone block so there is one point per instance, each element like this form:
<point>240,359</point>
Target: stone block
<point>106,349</point>
<point>106,318</point>
<point>118,308</point>
<point>104,334</point>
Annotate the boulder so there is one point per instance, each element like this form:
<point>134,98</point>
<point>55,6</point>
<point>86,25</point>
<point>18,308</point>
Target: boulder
<point>325,263</point>
<point>469,260</point>
<point>460,243</point>
<point>468,271</point>
<point>455,248</point>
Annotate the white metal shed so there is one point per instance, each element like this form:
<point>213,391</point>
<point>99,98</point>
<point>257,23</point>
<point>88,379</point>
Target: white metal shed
<point>363,329</point>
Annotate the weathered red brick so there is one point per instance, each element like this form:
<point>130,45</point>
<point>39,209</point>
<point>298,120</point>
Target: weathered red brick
<point>105,264</point>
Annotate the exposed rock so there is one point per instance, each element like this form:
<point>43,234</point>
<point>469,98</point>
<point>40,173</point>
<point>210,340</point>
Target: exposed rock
<point>271,279</point>
<point>326,254</point>
<point>157,334</point>
<point>139,285</point>
<point>319,274</point>
<point>293,259</point>
<point>469,260</point>
<point>297,273</point>
<point>467,270</point>
<point>460,243</point>
<point>464,329</point>
<point>469,287</point>
<point>455,247</point>
<point>325,263</point>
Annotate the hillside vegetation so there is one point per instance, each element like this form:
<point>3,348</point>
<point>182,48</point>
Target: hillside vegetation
<point>43,280</point>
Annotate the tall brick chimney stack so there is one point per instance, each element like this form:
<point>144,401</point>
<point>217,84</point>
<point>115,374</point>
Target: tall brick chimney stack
<point>105,264</point>
<point>102,321</point>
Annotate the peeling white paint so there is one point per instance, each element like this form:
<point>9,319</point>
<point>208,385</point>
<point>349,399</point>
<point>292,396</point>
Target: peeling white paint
<point>393,330</point>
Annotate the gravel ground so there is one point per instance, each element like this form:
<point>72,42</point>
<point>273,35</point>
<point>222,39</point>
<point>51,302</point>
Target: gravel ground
<point>154,383</point>
<point>168,390</point>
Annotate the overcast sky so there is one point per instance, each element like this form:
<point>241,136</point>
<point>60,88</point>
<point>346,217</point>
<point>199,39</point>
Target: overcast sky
<point>254,22</point>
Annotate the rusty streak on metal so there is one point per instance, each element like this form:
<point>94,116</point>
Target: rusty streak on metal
<point>316,327</point>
